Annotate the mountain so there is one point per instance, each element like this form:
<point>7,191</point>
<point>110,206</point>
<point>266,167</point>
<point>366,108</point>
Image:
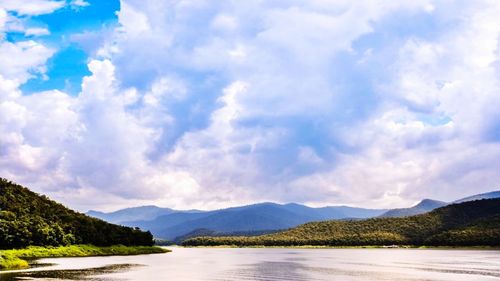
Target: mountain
<point>27,218</point>
<point>424,206</point>
<point>160,223</point>
<point>264,216</point>
<point>472,223</point>
<point>250,218</point>
<point>131,214</point>
<point>488,195</point>
<point>334,212</point>
<point>171,224</point>
<point>428,205</point>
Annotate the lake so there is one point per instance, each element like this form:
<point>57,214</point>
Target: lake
<point>274,264</point>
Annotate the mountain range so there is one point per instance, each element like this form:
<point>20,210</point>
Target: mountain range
<point>428,205</point>
<point>173,225</point>
<point>422,207</point>
<point>136,213</point>
<point>470,223</point>
<point>257,217</point>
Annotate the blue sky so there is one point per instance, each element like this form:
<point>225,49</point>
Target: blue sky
<point>67,67</point>
<point>207,104</point>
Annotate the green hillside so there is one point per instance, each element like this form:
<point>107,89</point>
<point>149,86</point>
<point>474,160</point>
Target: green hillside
<point>29,219</point>
<point>473,223</point>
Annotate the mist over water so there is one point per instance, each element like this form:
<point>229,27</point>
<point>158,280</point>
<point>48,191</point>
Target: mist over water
<point>275,264</point>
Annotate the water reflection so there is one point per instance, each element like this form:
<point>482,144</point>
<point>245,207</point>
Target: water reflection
<point>88,274</point>
<point>218,264</point>
<point>267,271</point>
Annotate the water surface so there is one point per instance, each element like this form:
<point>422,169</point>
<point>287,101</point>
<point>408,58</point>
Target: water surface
<point>275,264</point>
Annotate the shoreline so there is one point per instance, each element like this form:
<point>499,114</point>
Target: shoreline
<point>492,248</point>
<point>14,259</point>
<point>18,259</point>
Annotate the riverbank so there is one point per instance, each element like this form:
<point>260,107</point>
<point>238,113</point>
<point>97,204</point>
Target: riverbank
<point>18,258</point>
<point>495,248</point>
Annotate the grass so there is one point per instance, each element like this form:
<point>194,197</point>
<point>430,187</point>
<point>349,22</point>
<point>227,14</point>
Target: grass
<point>17,258</point>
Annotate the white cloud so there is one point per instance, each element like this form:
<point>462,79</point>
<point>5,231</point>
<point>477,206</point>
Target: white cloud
<point>22,60</point>
<point>225,23</point>
<point>427,140</point>
<point>3,20</point>
<point>168,87</point>
<point>79,3</point>
<point>32,7</point>
<point>198,104</point>
<point>85,143</point>
<point>133,22</point>
<point>36,31</point>
<point>8,89</point>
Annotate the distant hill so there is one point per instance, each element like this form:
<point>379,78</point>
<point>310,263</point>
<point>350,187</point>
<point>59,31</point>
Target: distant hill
<point>171,224</point>
<point>256,217</point>
<point>161,223</point>
<point>424,206</point>
<point>251,218</point>
<point>334,212</point>
<point>488,195</point>
<point>131,214</point>
<point>428,205</point>
<point>473,223</point>
<point>27,218</point>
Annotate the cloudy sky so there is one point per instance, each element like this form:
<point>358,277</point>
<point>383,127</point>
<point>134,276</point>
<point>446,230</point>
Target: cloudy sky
<point>207,104</point>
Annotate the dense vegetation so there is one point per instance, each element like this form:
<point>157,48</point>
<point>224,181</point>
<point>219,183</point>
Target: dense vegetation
<point>17,258</point>
<point>212,233</point>
<point>473,223</point>
<point>27,218</point>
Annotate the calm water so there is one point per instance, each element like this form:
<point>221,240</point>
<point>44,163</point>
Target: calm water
<point>275,264</point>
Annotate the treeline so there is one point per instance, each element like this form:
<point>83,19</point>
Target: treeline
<point>475,223</point>
<point>212,233</point>
<point>27,218</point>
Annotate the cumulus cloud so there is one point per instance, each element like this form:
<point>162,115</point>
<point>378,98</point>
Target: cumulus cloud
<point>3,19</point>
<point>15,16</point>
<point>22,60</point>
<point>32,7</point>
<point>427,138</point>
<point>207,104</point>
<point>36,31</point>
<point>85,144</point>
<point>79,3</point>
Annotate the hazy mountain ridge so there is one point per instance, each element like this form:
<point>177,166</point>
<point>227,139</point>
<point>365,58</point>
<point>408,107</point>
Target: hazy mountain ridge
<point>252,218</point>
<point>141,213</point>
<point>487,195</point>
<point>269,216</point>
<point>257,217</point>
<point>422,207</point>
<point>471,223</point>
<point>131,214</point>
<point>428,205</point>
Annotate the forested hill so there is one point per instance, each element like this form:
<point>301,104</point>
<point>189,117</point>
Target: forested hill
<point>27,218</point>
<point>474,223</point>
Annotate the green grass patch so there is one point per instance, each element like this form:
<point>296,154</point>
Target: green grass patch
<point>17,258</point>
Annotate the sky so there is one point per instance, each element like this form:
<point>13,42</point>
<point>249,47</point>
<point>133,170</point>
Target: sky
<point>208,104</point>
